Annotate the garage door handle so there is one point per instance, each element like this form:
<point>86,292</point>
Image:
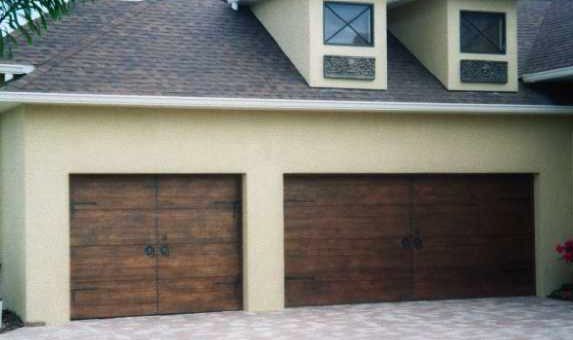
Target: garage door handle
<point>150,251</point>
<point>418,242</point>
<point>406,242</point>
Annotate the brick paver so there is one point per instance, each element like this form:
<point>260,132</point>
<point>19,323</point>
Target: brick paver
<point>504,318</point>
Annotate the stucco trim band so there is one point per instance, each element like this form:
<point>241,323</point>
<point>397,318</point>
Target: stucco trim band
<point>9,100</point>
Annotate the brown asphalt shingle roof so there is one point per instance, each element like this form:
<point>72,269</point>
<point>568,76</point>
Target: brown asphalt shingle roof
<point>553,46</point>
<point>531,14</point>
<point>201,48</point>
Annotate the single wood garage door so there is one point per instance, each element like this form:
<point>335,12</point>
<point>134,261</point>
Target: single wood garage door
<point>143,245</point>
<point>354,239</point>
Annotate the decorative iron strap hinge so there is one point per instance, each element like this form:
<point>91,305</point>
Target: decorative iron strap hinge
<point>299,278</point>
<point>235,206</point>
<point>73,205</point>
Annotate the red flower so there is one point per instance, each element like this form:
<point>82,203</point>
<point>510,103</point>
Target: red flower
<point>565,250</point>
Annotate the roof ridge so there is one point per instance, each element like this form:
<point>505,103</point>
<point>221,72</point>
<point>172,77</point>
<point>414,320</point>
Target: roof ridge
<point>89,41</point>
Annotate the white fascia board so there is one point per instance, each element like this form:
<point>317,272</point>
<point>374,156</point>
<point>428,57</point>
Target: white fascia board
<point>550,75</point>
<point>9,100</point>
<point>16,68</point>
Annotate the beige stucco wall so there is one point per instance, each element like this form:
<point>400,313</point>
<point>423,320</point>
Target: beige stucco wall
<point>288,22</point>
<point>12,210</point>
<point>263,146</point>
<point>298,27</point>
<point>422,26</point>
<point>430,29</point>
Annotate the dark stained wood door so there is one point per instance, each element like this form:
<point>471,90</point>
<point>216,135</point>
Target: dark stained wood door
<point>143,245</point>
<point>466,236</point>
<point>199,220</point>
<point>477,233</point>
<point>343,239</point>
<point>112,222</point>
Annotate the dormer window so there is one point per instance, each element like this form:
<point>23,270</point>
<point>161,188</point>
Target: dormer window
<point>348,24</point>
<point>483,32</point>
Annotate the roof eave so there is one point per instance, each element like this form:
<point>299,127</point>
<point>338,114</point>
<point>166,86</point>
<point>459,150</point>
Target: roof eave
<point>16,68</point>
<point>391,3</point>
<point>559,74</point>
<point>246,2</point>
<point>9,100</point>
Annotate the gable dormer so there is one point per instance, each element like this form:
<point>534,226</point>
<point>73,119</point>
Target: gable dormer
<point>331,43</point>
<point>469,45</point>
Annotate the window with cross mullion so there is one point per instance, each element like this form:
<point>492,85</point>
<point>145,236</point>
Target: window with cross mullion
<point>348,24</point>
<point>483,32</point>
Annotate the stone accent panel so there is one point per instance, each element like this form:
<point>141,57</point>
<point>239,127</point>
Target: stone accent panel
<point>357,68</point>
<point>480,71</point>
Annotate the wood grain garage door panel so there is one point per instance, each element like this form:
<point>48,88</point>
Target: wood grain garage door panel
<point>111,263</point>
<point>200,260</point>
<point>342,239</point>
<point>115,218</point>
<point>314,256</point>
<point>198,191</point>
<point>113,299</point>
<point>200,295</point>
<point>199,218</point>
<point>348,271</point>
<point>472,283</point>
<point>109,281</point>
<point>112,223</point>
<point>344,191</point>
<point>199,225</point>
<point>112,227</point>
<point>355,222</point>
<point>471,220</point>
<point>112,192</point>
<point>478,236</point>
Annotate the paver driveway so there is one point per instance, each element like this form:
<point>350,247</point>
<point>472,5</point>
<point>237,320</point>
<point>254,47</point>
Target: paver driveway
<point>506,318</point>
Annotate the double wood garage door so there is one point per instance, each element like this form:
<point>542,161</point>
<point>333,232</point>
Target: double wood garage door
<point>144,245</point>
<point>352,239</point>
<point>172,244</point>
